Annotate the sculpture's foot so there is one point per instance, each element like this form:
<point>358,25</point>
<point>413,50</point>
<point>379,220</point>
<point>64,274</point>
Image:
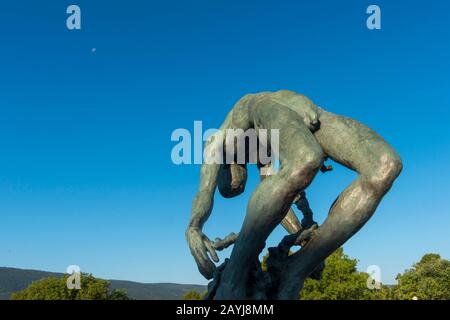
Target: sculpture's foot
<point>302,240</point>
<point>308,222</point>
<point>302,237</point>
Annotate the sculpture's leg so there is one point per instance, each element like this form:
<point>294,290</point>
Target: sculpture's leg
<point>290,222</point>
<point>359,148</point>
<point>301,157</point>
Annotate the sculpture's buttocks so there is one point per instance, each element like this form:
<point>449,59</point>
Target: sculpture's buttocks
<point>243,115</point>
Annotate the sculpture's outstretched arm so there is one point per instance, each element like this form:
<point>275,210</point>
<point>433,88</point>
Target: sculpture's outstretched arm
<point>203,201</point>
<point>199,244</point>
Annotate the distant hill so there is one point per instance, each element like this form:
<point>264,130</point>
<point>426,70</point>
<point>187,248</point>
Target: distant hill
<point>12,280</point>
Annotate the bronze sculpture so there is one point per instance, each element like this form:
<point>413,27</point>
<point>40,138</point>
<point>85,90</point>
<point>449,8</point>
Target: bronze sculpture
<point>307,136</point>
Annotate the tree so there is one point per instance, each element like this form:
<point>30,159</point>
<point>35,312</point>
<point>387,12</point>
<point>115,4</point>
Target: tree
<point>54,288</point>
<point>118,294</point>
<point>340,281</point>
<point>193,295</point>
<point>429,279</point>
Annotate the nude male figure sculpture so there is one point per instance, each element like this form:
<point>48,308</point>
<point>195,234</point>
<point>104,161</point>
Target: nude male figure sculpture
<point>307,135</point>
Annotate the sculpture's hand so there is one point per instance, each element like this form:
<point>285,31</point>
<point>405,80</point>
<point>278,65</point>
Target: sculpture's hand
<point>200,246</point>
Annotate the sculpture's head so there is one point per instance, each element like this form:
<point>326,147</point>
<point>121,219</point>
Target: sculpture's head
<point>232,179</point>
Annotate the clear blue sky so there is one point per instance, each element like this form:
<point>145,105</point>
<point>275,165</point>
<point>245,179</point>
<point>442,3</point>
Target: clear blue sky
<point>86,176</point>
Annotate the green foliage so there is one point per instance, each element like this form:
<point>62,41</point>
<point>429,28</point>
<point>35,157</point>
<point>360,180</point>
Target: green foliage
<point>118,294</point>
<point>193,295</point>
<point>341,281</point>
<point>54,288</point>
<point>429,279</point>
<point>264,263</point>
